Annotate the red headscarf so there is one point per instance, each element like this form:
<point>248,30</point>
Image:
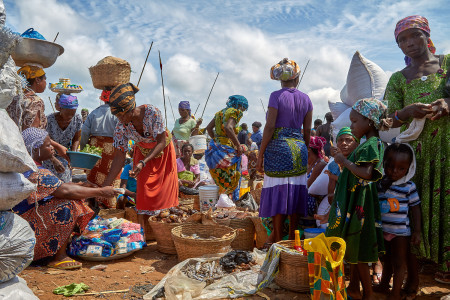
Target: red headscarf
<point>318,142</point>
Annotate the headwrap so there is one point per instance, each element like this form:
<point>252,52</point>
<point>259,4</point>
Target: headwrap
<point>33,138</point>
<point>318,142</point>
<point>122,99</point>
<point>31,71</point>
<point>344,131</point>
<point>184,105</point>
<point>68,101</point>
<point>105,96</point>
<point>85,109</point>
<point>285,70</point>
<point>375,111</point>
<point>237,100</point>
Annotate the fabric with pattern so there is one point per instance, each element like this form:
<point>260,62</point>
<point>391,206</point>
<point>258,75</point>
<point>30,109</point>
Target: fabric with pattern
<point>31,71</point>
<point>25,112</point>
<point>285,70</point>
<point>318,143</point>
<point>33,138</point>
<point>122,99</point>
<point>236,101</point>
<point>346,131</point>
<point>415,21</point>
<point>355,212</point>
<point>68,101</point>
<point>374,110</point>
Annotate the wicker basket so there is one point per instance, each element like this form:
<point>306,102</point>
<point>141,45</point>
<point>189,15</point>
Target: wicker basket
<point>293,270</point>
<point>131,215</point>
<point>111,213</point>
<point>188,248</point>
<point>110,72</point>
<point>256,194</point>
<point>162,232</point>
<point>245,240</point>
<point>188,200</point>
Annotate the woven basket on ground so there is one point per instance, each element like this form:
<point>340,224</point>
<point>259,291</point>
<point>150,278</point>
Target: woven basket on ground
<point>131,215</point>
<point>189,200</point>
<point>111,213</point>
<point>245,240</point>
<point>293,270</point>
<point>256,194</point>
<point>162,232</point>
<point>189,247</point>
<point>110,72</point>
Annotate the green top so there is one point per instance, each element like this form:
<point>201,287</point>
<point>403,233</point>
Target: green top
<point>182,132</point>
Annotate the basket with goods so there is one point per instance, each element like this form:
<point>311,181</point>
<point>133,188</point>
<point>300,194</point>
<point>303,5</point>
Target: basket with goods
<point>109,72</point>
<point>245,236</point>
<point>293,269</point>
<point>163,223</point>
<point>65,87</point>
<point>132,216</point>
<point>196,240</point>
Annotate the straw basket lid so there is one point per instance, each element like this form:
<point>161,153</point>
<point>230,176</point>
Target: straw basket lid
<point>109,72</point>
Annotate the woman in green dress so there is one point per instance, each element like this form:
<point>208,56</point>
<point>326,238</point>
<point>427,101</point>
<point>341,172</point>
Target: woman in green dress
<point>415,92</point>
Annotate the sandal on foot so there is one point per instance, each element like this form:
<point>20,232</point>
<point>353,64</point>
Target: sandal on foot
<point>376,278</point>
<point>60,265</point>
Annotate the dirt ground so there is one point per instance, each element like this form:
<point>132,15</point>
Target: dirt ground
<point>135,273</point>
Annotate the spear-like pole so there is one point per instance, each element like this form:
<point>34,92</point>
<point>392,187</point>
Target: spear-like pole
<point>171,108</point>
<point>263,105</point>
<point>209,95</point>
<point>143,67</point>
<point>162,83</point>
<point>196,109</point>
<point>303,73</point>
<point>56,37</point>
<point>50,100</point>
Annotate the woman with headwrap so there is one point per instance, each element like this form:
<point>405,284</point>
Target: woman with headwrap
<point>285,151</point>
<point>154,156</point>
<point>223,155</point>
<point>55,209</point>
<point>184,127</point>
<point>64,128</point>
<point>416,92</point>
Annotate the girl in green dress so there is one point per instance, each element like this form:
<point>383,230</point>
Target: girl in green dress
<point>355,212</point>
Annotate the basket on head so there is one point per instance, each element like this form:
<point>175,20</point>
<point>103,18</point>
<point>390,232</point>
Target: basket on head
<point>245,239</point>
<point>293,269</point>
<point>109,72</point>
<point>163,236</point>
<point>189,247</point>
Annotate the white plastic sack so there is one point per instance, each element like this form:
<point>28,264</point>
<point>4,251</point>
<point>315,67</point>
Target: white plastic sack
<point>337,108</point>
<point>389,135</point>
<point>365,79</point>
<point>17,242</point>
<point>342,121</point>
<point>224,201</point>
<point>10,83</point>
<point>16,289</point>
<point>320,185</point>
<point>13,154</point>
<point>14,187</point>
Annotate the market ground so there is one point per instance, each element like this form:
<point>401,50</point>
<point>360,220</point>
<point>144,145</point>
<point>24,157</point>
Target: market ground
<point>143,268</point>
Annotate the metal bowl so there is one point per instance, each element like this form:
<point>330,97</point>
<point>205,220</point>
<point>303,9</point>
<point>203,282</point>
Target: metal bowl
<point>36,51</point>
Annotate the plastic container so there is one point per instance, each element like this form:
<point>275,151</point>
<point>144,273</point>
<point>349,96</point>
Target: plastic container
<point>83,160</point>
<point>313,232</point>
<point>208,196</point>
<point>199,143</point>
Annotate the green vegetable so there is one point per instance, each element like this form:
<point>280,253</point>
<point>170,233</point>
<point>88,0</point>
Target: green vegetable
<point>92,150</point>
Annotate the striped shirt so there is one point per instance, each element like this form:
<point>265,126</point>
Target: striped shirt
<point>394,204</point>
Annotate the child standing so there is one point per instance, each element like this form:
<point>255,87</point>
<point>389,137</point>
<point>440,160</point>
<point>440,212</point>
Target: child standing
<point>355,212</point>
<point>398,196</point>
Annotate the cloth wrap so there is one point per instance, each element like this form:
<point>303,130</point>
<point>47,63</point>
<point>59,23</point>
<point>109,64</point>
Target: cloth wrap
<point>33,138</point>
<point>31,71</point>
<point>122,100</point>
<point>318,142</point>
<point>375,111</point>
<point>68,101</point>
<point>285,70</point>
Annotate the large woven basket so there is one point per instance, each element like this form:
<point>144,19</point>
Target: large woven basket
<point>245,239</point>
<point>256,194</point>
<point>191,201</point>
<point>188,247</point>
<point>293,270</point>
<point>163,235</point>
<point>110,72</point>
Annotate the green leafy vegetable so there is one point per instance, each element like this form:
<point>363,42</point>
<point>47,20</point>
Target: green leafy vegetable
<point>92,150</point>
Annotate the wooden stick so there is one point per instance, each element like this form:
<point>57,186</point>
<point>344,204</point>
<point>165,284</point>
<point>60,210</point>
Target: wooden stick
<point>50,100</point>
<point>209,95</point>
<point>101,293</point>
<point>162,82</point>
<point>196,109</point>
<point>263,106</point>
<point>56,37</point>
<point>143,67</point>
<point>171,108</point>
<point>303,73</point>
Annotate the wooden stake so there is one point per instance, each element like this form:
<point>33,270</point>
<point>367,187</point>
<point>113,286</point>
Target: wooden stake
<point>143,67</point>
<point>50,100</point>
<point>196,109</point>
<point>209,95</point>
<point>101,293</point>
<point>162,82</point>
<point>303,73</point>
<point>263,106</point>
<point>56,37</point>
<point>171,108</point>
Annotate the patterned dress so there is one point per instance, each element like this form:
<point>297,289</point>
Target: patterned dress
<point>355,212</point>
<point>53,220</point>
<point>433,165</point>
<point>24,114</point>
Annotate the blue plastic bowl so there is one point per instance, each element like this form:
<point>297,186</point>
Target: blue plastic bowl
<point>83,160</point>
<point>313,232</point>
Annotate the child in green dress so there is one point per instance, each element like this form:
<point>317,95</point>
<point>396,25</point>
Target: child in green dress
<point>355,212</point>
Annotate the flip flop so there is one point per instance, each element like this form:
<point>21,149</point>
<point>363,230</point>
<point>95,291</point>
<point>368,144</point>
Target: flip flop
<point>59,267</point>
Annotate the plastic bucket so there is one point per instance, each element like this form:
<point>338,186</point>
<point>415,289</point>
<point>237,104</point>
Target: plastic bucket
<point>313,232</point>
<point>199,143</point>
<point>208,195</point>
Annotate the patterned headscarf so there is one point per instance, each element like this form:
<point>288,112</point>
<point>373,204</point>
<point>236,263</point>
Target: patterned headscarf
<point>68,101</point>
<point>237,100</point>
<point>184,105</point>
<point>122,99</point>
<point>375,111</point>
<point>346,131</point>
<point>33,138</point>
<point>318,142</point>
<point>105,96</point>
<point>31,71</point>
<point>285,70</point>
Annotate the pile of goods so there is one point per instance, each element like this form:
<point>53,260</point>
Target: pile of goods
<point>107,238</point>
<point>177,214</point>
<point>92,150</point>
<point>225,214</point>
<point>195,236</point>
<point>64,86</point>
<point>237,260</point>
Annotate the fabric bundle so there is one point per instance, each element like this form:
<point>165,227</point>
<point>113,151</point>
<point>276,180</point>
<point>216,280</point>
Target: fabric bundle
<point>285,70</point>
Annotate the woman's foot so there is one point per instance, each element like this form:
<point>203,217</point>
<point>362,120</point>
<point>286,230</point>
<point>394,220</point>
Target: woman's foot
<point>376,278</point>
<point>65,263</point>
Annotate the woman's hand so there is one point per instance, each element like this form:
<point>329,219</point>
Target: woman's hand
<point>108,191</point>
<point>136,170</point>
<point>62,151</point>
<point>339,158</point>
<point>416,110</point>
<point>199,122</point>
<point>259,164</point>
<point>334,150</point>
<point>440,108</point>
<point>59,167</point>
<point>331,175</point>
<point>239,151</point>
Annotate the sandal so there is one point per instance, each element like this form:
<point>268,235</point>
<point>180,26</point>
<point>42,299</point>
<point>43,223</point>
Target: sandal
<point>60,266</point>
<point>376,278</point>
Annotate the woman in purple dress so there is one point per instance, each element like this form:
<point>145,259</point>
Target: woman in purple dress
<point>285,151</point>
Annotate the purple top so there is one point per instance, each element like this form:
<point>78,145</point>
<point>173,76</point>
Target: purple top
<point>292,106</point>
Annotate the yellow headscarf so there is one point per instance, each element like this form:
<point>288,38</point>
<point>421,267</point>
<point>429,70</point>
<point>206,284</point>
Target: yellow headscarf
<point>31,71</point>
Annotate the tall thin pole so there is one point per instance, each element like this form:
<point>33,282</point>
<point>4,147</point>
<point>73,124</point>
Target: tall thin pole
<point>196,109</point>
<point>56,37</point>
<point>303,73</point>
<point>143,67</point>
<point>50,100</point>
<point>209,95</point>
<point>263,106</point>
<point>162,83</point>
<point>171,108</point>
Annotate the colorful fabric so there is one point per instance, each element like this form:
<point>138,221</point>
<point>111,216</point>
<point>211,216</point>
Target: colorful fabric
<point>326,267</point>
<point>221,118</point>
<point>25,113</point>
<point>412,22</point>
<point>433,165</point>
<point>33,138</point>
<point>375,111</point>
<point>122,99</point>
<point>237,100</point>
<point>286,154</point>
<point>355,212</point>
<point>292,107</point>
<point>52,219</point>
<point>285,70</point>
<point>68,101</point>
<point>346,131</point>
<point>182,131</point>
<point>194,166</point>
<point>104,96</point>
<point>318,142</point>
<point>31,71</point>
<point>184,105</point>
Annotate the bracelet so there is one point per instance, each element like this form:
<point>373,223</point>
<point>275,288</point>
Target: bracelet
<point>397,118</point>
<point>142,162</point>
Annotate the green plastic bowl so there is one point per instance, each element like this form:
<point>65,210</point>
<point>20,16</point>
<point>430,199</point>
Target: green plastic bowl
<point>83,160</point>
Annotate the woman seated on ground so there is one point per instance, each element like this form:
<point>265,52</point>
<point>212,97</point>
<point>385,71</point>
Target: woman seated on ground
<point>48,210</point>
<point>188,171</point>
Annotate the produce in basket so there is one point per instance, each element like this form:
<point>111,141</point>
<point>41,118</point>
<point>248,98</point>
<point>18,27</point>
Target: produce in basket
<point>177,214</point>
<point>92,150</point>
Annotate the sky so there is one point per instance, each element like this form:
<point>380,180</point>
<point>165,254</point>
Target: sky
<point>238,38</point>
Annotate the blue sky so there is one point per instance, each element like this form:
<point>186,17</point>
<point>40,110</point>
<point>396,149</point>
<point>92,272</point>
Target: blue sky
<point>239,39</point>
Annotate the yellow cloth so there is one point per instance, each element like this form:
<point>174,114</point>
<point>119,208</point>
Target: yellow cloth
<point>31,72</point>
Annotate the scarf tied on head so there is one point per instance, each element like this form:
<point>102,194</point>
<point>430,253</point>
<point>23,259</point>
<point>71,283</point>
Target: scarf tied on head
<point>375,111</point>
<point>318,142</point>
<point>348,131</point>
<point>122,99</point>
<point>68,101</point>
<point>105,96</point>
<point>33,138</point>
<point>285,70</point>
<point>31,71</point>
<point>237,100</point>
<point>184,105</point>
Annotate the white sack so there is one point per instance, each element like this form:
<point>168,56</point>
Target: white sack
<point>10,83</point>
<point>320,185</point>
<point>14,188</point>
<point>13,154</point>
<point>16,289</point>
<point>389,135</point>
<point>342,121</point>
<point>337,108</point>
